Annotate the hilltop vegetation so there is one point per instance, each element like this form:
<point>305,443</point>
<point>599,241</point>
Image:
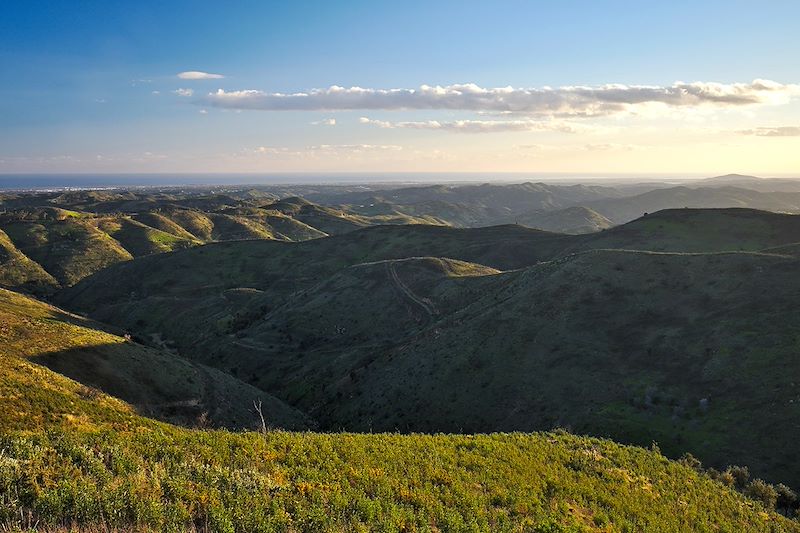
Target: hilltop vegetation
<point>171,480</point>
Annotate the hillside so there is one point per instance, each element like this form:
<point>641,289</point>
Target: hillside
<point>76,459</point>
<point>752,182</point>
<point>359,343</point>
<point>699,230</point>
<point>17,270</point>
<point>68,249</point>
<point>172,480</point>
<point>475,205</point>
<point>571,220</point>
<point>414,328</point>
<point>391,348</point>
<point>68,236</point>
<point>621,210</point>
<point>155,383</point>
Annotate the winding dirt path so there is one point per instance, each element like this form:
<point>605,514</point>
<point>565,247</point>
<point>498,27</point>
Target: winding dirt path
<point>426,304</point>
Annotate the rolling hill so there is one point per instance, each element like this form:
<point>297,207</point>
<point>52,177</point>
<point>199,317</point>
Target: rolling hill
<point>17,270</point>
<point>71,235</point>
<point>621,210</point>
<point>153,382</point>
<point>571,220</point>
<point>677,328</point>
<point>74,458</point>
<point>359,334</point>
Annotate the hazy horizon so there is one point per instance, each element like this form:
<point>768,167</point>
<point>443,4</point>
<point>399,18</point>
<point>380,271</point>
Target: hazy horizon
<point>45,181</point>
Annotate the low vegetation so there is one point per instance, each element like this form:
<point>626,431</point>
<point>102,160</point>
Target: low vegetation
<point>163,479</point>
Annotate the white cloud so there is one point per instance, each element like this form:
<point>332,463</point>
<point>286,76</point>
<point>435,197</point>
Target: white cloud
<point>609,147</point>
<point>203,112</point>
<point>477,126</point>
<point>155,92</point>
<point>326,150</point>
<point>778,131</point>
<point>325,122</point>
<point>198,75</point>
<point>184,92</point>
<point>576,101</point>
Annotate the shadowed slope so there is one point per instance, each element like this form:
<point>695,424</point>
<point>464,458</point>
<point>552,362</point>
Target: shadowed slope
<point>157,383</point>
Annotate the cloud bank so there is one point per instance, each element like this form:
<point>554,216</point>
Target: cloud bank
<point>779,131</point>
<point>198,75</point>
<point>569,101</point>
<point>476,126</point>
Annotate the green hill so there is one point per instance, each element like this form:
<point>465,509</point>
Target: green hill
<point>140,239</point>
<point>17,270</point>
<point>68,249</point>
<point>76,459</point>
<point>620,210</point>
<point>698,230</point>
<point>328,220</point>
<point>610,342</point>
<point>162,479</point>
<point>585,342</point>
<point>155,382</point>
<point>571,220</point>
<point>160,222</point>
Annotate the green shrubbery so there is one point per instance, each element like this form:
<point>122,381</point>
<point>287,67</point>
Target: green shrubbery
<point>168,479</point>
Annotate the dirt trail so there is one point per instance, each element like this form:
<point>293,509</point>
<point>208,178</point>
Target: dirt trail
<point>426,304</point>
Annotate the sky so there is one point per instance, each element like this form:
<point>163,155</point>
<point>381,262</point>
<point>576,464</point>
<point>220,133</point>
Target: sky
<point>571,87</point>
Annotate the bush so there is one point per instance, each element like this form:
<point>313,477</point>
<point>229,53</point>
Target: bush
<point>787,499</point>
<point>740,475</point>
<point>763,492</point>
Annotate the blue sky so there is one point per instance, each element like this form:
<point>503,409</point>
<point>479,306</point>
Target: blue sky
<point>89,86</point>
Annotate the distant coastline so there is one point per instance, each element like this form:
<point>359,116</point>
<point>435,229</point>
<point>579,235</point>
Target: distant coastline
<point>43,182</point>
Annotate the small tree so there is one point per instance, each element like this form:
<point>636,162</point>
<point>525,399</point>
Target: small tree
<point>740,474</point>
<point>691,461</point>
<point>260,413</point>
<point>763,492</point>
<point>787,499</point>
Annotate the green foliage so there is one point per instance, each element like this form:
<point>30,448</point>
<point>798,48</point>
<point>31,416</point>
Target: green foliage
<point>168,480</point>
<point>762,492</point>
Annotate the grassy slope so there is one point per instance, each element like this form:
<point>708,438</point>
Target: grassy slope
<point>570,220</point>
<point>68,249</point>
<point>621,210</point>
<point>699,230</point>
<point>195,222</point>
<point>139,239</point>
<point>73,457</point>
<point>216,481</point>
<point>161,222</point>
<point>586,343</point>
<point>157,383</point>
<point>17,270</point>
<point>590,317</point>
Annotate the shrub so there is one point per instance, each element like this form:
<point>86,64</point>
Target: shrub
<point>763,492</point>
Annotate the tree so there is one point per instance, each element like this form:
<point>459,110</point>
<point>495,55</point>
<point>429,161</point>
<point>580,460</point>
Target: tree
<point>740,474</point>
<point>787,499</point>
<point>763,492</point>
<point>691,461</point>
